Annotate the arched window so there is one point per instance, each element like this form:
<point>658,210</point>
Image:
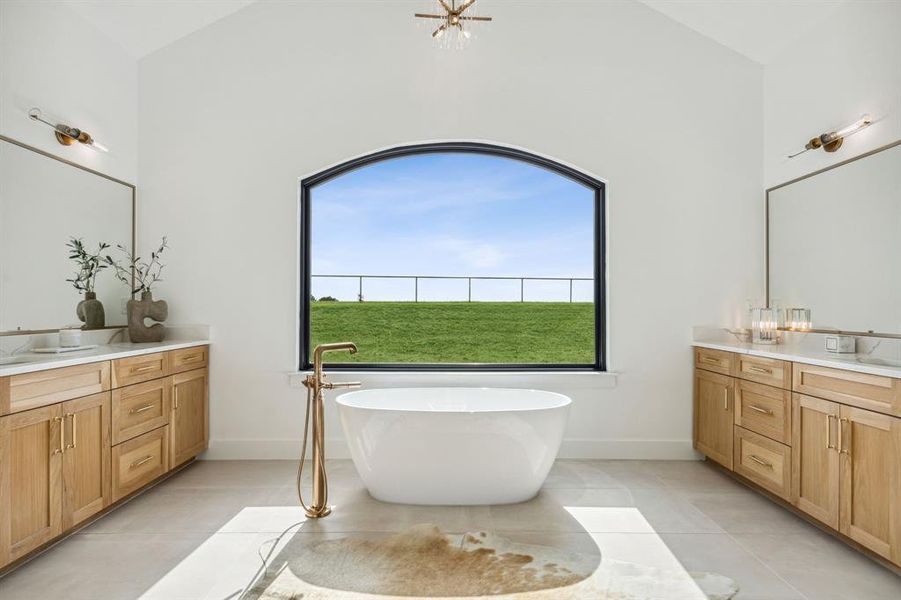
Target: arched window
<point>453,256</point>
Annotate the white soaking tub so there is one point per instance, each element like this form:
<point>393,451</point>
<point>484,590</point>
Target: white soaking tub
<point>456,446</point>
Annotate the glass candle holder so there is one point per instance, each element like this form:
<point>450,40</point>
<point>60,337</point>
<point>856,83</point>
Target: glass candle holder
<point>765,324</point>
<point>798,319</point>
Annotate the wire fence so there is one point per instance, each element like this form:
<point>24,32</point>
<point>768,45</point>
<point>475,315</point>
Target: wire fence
<point>469,279</point>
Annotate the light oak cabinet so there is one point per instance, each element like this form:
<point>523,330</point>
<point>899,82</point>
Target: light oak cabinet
<point>870,474</point>
<point>55,471</point>
<point>713,404</point>
<point>71,447</point>
<point>86,458</point>
<point>31,461</point>
<point>189,421</point>
<point>826,440</point>
<point>815,460</point>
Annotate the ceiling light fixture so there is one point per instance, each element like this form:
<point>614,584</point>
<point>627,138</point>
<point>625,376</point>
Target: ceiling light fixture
<point>832,141</point>
<point>452,19</point>
<point>65,134</point>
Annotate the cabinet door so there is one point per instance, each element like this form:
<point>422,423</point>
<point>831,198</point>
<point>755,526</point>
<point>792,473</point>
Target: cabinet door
<point>815,458</point>
<point>86,460</point>
<point>189,424</point>
<point>713,416</point>
<point>870,450</point>
<point>31,448</point>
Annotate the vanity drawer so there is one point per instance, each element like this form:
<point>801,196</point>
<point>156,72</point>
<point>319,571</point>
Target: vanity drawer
<point>764,409</point>
<point>136,369</point>
<point>873,392</point>
<point>33,390</point>
<point>769,371</point>
<point>139,461</point>
<point>718,361</point>
<point>187,359</point>
<point>763,461</point>
<point>140,408</point>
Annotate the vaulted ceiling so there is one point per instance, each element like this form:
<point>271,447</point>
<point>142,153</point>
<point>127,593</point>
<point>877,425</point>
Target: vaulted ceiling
<point>758,29</point>
<point>144,26</point>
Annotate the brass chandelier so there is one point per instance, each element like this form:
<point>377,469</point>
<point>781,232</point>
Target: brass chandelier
<point>452,20</point>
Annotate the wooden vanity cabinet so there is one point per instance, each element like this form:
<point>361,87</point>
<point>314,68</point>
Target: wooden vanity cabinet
<point>86,458</point>
<point>870,480</point>
<point>54,472</point>
<point>824,439</point>
<point>713,416</point>
<point>815,460</point>
<point>189,420</point>
<point>70,447</point>
<point>31,461</point>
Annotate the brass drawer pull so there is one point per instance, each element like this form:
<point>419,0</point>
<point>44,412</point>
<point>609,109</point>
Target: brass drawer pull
<point>760,461</point>
<point>829,445</point>
<point>62,442</point>
<point>141,461</point>
<point>726,399</point>
<point>765,411</point>
<point>842,449</point>
<point>141,409</point>
<point>757,369</point>
<point>708,359</point>
<point>74,428</point>
<point>144,369</point>
<point>191,358</point>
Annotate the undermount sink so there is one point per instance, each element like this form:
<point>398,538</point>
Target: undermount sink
<point>879,362</point>
<point>13,360</point>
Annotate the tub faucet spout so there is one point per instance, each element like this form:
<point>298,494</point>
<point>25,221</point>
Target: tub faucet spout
<point>315,383</point>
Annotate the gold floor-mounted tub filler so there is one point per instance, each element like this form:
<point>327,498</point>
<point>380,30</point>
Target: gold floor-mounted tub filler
<point>315,383</point>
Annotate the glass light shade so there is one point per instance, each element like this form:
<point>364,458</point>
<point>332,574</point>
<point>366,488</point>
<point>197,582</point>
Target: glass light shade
<point>765,324</point>
<point>798,319</point>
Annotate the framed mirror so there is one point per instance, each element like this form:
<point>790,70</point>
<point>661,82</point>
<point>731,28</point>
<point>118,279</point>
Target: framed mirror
<point>44,201</point>
<point>834,244</point>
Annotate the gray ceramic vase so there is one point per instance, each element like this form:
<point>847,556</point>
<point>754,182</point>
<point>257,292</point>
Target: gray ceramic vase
<point>90,312</point>
<point>146,307</point>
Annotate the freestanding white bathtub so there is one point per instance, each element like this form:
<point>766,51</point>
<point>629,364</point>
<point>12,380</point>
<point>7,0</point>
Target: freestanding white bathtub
<point>453,445</point>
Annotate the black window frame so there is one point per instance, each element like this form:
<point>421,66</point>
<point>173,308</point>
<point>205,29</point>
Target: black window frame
<point>600,259</point>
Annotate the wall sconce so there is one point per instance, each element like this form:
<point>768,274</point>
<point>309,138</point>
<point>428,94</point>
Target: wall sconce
<point>798,319</point>
<point>765,324</point>
<point>65,134</point>
<point>832,141</point>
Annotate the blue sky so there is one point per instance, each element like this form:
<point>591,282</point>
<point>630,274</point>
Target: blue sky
<point>452,214</point>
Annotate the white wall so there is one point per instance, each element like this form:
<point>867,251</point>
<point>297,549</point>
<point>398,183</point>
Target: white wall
<point>53,59</point>
<point>234,114</point>
<point>826,82</point>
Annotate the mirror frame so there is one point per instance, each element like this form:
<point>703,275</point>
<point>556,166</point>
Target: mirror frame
<point>131,186</point>
<point>767,243</point>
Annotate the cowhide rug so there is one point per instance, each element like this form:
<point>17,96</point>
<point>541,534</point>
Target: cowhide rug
<point>423,562</point>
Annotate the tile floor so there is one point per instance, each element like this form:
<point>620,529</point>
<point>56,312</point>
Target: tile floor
<point>197,536</point>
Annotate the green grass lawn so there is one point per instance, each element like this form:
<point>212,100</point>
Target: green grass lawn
<point>457,332</point>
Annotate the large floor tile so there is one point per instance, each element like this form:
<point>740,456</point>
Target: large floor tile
<point>745,511</point>
<point>100,566</point>
<point>719,553</point>
<point>822,567</point>
<point>183,510</point>
<point>601,474</point>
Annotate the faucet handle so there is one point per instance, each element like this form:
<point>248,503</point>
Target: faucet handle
<point>329,385</point>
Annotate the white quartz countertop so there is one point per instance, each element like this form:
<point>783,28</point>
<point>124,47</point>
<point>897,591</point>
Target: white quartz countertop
<point>32,362</point>
<point>860,363</point>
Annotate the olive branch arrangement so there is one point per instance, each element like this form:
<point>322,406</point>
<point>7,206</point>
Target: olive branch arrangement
<point>146,273</point>
<point>89,265</point>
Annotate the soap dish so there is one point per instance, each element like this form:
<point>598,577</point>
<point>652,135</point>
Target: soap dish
<point>60,350</point>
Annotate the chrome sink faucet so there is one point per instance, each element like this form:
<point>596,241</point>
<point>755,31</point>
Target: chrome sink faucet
<point>315,383</point>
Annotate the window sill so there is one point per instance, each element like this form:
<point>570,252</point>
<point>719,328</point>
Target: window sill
<point>514,379</point>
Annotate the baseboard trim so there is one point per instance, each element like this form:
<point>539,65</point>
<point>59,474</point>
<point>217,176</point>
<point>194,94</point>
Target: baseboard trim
<point>269,449</point>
